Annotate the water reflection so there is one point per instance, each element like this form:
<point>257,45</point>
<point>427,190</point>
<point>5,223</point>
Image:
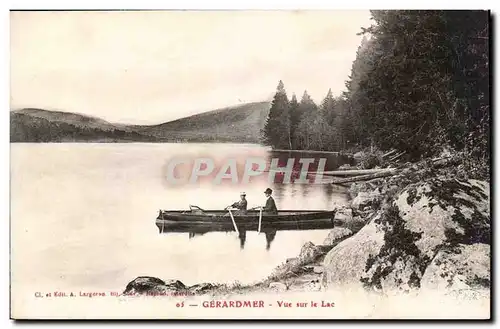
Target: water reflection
<point>270,238</point>
<point>193,234</point>
<point>270,234</point>
<point>243,238</point>
<point>283,191</point>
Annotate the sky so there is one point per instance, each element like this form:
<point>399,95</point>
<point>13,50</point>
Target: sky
<point>148,67</point>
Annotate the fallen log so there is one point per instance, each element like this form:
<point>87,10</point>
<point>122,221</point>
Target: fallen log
<point>313,151</point>
<point>385,173</point>
<point>403,170</point>
<point>389,153</point>
<point>356,172</point>
<point>397,156</point>
<point>445,162</point>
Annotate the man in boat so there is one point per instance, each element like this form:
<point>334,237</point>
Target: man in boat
<point>270,206</point>
<point>242,204</point>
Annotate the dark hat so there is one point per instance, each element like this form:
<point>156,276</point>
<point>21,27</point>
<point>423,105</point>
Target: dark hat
<point>268,191</point>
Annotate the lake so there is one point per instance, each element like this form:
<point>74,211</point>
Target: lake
<point>83,216</point>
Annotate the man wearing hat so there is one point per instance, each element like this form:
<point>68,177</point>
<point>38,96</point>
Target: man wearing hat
<point>242,204</point>
<point>270,206</point>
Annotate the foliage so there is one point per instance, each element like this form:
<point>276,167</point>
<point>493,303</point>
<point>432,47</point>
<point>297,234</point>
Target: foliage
<point>419,83</point>
<point>428,83</point>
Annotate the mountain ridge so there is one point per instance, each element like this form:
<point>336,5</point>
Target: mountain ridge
<point>239,123</point>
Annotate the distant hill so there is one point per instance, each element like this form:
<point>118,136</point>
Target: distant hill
<point>26,128</point>
<point>76,119</point>
<point>233,124</point>
<point>238,124</point>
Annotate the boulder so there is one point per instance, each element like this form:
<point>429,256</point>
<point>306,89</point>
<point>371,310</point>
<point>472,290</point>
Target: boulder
<point>201,287</point>
<point>308,253</point>
<point>336,234</point>
<point>357,187</point>
<point>366,199</point>
<point>148,284</point>
<point>278,286</point>
<point>345,263</point>
<point>460,269</point>
<point>351,219</point>
<point>423,219</point>
<point>446,211</point>
<point>343,214</point>
<point>393,251</point>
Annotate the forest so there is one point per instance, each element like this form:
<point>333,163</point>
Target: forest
<point>419,84</point>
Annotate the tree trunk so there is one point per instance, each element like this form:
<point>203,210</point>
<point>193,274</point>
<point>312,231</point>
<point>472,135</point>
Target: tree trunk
<point>356,172</point>
<point>391,172</point>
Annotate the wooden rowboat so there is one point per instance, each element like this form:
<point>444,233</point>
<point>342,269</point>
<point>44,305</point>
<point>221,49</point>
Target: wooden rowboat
<point>221,220</point>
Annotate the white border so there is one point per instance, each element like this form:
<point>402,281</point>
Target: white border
<point>248,4</point>
<point>179,5</point>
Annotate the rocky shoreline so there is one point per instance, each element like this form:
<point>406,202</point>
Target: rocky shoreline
<point>425,228</point>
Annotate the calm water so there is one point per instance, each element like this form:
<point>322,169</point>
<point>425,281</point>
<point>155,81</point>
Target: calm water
<point>83,215</point>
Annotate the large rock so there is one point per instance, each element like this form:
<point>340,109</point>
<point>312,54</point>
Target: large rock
<point>201,288</point>
<point>366,199</point>
<point>309,253</point>
<point>278,286</point>
<point>357,187</point>
<point>446,211</point>
<point>148,284</point>
<point>352,220</point>
<point>462,269</point>
<point>343,214</point>
<point>345,263</point>
<point>393,251</point>
<point>144,285</point>
<point>336,234</point>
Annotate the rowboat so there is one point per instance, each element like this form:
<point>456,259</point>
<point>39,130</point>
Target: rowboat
<point>199,220</point>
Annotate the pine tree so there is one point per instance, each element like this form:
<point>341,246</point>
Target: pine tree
<point>294,120</point>
<point>307,105</point>
<point>327,108</point>
<point>276,131</point>
<point>306,114</point>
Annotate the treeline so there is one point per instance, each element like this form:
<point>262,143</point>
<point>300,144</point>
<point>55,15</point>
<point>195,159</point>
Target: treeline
<point>28,129</point>
<point>419,83</point>
<point>305,125</point>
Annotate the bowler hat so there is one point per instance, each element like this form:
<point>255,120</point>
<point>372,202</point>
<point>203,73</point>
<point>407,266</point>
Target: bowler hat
<point>268,191</point>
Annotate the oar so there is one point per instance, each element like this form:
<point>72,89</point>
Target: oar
<point>234,223</point>
<point>260,220</point>
<point>191,206</point>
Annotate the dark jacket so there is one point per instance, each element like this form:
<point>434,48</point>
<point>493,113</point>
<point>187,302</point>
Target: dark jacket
<point>270,206</point>
<point>241,205</point>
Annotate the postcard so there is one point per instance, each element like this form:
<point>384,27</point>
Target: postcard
<point>301,164</point>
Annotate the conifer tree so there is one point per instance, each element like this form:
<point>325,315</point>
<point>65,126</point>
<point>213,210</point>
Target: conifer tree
<point>307,105</point>
<point>327,108</point>
<point>276,131</point>
<point>294,120</point>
